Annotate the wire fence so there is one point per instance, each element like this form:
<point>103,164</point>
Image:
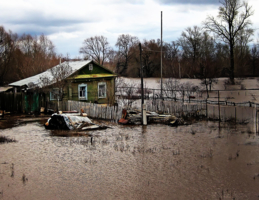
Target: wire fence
<point>214,97</point>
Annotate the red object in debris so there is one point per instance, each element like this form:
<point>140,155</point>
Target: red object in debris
<point>124,113</point>
<point>192,97</point>
<point>123,121</point>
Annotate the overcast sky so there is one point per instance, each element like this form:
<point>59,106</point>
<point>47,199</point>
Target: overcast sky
<point>68,22</point>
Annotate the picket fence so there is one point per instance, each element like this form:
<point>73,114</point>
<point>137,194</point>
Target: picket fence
<point>115,112</point>
<point>96,110</point>
<point>215,112</point>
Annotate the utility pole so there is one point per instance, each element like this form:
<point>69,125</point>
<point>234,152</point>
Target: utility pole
<point>141,74</point>
<point>161,54</point>
<point>143,106</point>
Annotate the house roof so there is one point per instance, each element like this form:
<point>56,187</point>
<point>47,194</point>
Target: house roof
<point>35,80</point>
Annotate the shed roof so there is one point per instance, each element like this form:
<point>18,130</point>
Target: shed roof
<point>35,80</point>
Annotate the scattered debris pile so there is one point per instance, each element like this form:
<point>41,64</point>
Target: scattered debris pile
<point>71,122</point>
<point>135,116</point>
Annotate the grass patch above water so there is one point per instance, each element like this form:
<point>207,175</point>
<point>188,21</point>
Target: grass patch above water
<point>4,139</point>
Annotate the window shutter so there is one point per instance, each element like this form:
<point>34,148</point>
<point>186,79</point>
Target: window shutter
<point>86,91</point>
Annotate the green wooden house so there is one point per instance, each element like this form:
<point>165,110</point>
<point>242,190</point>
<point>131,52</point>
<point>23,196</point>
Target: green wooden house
<point>74,80</point>
<point>92,83</point>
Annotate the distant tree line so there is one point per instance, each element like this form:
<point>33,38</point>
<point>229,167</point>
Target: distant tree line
<point>220,48</point>
<point>24,56</point>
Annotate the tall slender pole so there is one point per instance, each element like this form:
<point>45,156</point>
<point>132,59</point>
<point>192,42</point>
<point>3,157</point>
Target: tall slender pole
<point>161,54</point>
<point>141,74</point>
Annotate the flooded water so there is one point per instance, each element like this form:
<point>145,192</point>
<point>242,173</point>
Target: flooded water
<point>131,162</point>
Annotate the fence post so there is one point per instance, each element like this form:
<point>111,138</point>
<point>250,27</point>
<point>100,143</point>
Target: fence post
<point>235,114</point>
<point>219,105</point>
<point>206,107</point>
<point>256,118</point>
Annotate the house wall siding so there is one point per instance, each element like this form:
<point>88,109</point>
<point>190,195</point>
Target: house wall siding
<point>92,90</point>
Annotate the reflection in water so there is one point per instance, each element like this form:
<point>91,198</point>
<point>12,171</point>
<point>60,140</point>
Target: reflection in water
<point>199,161</point>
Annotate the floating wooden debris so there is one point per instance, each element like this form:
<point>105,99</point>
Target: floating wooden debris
<point>135,116</point>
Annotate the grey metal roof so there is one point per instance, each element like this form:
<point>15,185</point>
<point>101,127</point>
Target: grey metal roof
<point>35,80</point>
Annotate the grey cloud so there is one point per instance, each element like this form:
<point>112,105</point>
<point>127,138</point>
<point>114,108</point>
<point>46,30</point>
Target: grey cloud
<point>40,29</point>
<point>126,1</point>
<point>47,22</point>
<point>195,2</point>
<point>37,22</point>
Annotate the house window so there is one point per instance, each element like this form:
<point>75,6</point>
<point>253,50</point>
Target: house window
<point>90,67</point>
<point>54,94</point>
<point>82,91</point>
<point>102,90</point>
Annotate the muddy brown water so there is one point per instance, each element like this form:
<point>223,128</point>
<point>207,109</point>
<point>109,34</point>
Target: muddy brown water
<point>131,162</point>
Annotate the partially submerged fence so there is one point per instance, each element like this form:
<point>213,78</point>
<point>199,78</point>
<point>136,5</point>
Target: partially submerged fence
<point>96,110</point>
<point>237,114</point>
<point>222,97</point>
<point>218,110</point>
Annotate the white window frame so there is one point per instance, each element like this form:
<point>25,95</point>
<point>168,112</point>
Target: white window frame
<point>100,96</point>
<point>83,85</point>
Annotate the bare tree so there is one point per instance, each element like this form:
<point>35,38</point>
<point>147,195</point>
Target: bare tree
<point>125,44</point>
<point>254,52</point>
<point>233,18</point>
<point>171,87</point>
<point>242,52</point>
<point>150,58</point>
<point>7,48</point>
<point>171,60</point>
<point>191,42</point>
<point>34,55</point>
<point>125,92</point>
<point>112,59</point>
<point>96,48</point>
<point>56,80</point>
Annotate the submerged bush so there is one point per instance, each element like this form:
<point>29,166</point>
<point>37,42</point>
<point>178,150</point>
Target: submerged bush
<point>4,139</point>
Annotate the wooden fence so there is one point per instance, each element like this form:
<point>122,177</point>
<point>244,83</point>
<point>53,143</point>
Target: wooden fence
<point>12,102</point>
<point>236,113</point>
<point>115,112</point>
<point>17,103</point>
<point>96,110</point>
